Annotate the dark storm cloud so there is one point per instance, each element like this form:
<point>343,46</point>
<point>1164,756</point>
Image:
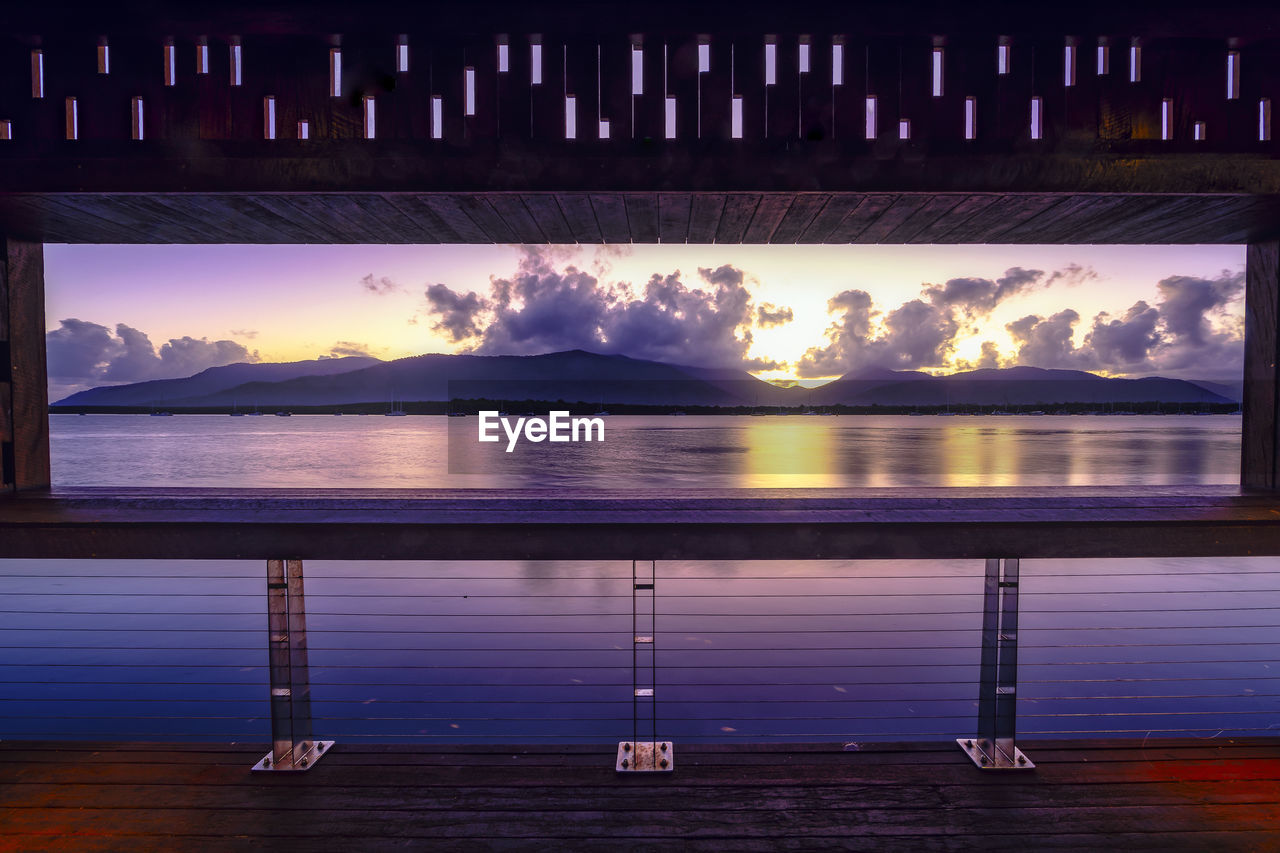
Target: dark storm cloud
<point>85,354</point>
<point>1126,341</point>
<point>546,307</point>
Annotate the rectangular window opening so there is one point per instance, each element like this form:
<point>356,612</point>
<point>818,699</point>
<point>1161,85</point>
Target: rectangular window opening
<point>269,117</point>
<point>370,117</point>
<point>104,59</point>
<point>570,117</point>
<point>704,58</point>
<point>1002,59</point>
<point>804,57</point>
<point>1104,60</point>
<point>237,77</point>
<point>937,72</point>
<point>604,128</point>
<point>304,129</point>
<point>202,57</point>
<point>871,117</point>
<point>1166,119</point>
<point>335,72</point>
<point>904,128</point>
<point>535,65</point>
<point>136,123</point>
<point>1037,118</point>
<point>6,130</point>
<point>170,65</point>
<point>504,58</point>
<point>1233,75</point>
<point>670,123</point>
<point>1135,63</point>
<point>735,121</point>
<point>1198,131</point>
<point>637,70</point>
<point>970,118</point>
<point>770,63</point>
<point>468,91</point>
<point>73,119</point>
<point>37,73</point>
<point>402,58</point>
<point>437,118</point>
<point>837,64</point>
<point>1069,65</point>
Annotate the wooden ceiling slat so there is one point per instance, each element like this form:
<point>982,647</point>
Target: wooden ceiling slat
<point>768,215</point>
<point>611,213</point>
<point>861,217</point>
<point>423,217</point>
<point>674,210</point>
<point>968,208</point>
<point>642,216</point>
<point>832,214</point>
<point>899,212</point>
<point>451,212</point>
<point>738,210</point>
<point>481,211</point>
<point>704,217</point>
<point>804,208</point>
<point>579,217</point>
<point>930,212</point>
<point>515,215</point>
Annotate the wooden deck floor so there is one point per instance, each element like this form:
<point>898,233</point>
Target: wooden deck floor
<point>1098,795</point>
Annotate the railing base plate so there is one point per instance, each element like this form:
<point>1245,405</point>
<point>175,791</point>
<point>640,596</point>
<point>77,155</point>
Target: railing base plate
<point>306,761</point>
<point>646,757</point>
<point>987,756</point>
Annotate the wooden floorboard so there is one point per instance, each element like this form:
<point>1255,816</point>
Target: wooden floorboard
<point>1219,794</point>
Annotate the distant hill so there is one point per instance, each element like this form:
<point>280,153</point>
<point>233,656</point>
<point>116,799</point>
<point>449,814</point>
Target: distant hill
<point>159,392</point>
<point>604,380</point>
<point>1011,386</point>
<point>1231,390</point>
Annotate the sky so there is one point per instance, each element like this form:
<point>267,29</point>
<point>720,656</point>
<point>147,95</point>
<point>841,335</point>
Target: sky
<point>129,313</point>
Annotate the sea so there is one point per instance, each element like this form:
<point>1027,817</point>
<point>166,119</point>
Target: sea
<point>845,651</point>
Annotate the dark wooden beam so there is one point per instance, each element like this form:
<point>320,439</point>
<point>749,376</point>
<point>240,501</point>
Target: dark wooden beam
<point>24,397</point>
<point>711,524</point>
<point>1260,431</point>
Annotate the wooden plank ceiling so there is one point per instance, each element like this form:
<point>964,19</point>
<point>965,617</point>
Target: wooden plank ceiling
<point>639,217</point>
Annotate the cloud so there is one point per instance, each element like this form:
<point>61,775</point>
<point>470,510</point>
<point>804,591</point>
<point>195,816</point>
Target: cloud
<point>550,304</point>
<point>1071,275</point>
<point>1127,341</point>
<point>1048,342</point>
<point>977,297</point>
<point>84,354</point>
<point>379,286</point>
<point>913,335</point>
<point>768,314</point>
<point>342,349</point>
<point>251,334</point>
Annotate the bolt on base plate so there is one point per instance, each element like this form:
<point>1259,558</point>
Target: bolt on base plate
<point>994,757</point>
<point>646,757</point>
<point>306,761</point>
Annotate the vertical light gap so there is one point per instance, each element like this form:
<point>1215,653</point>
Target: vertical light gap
<point>937,72</point>
<point>1104,58</point>
<point>770,63</point>
<point>1233,75</point>
<point>1135,63</point>
<point>671,118</point>
<point>871,117</point>
<point>904,128</point>
<point>104,57</point>
<point>1166,119</point>
<point>335,72</point>
<point>6,130</point>
<point>437,118</point>
<point>1197,131</point>
<point>804,57</point>
<point>837,64</point>
<point>1002,58</point>
<point>269,117</point>
<point>535,64</point>
<point>370,117</point>
<point>170,64</point>
<point>202,55</point>
<point>73,119</point>
<point>1264,120</point>
<point>237,77</point>
<point>735,120</point>
<point>704,58</point>
<point>37,73</point>
<point>970,118</point>
<point>602,129</point>
<point>304,129</point>
<point>1069,65</point>
<point>637,70</point>
<point>570,117</point>
<point>402,56</point>
<point>136,123</point>
<point>469,91</point>
<point>504,58</point>
<point>1037,118</point>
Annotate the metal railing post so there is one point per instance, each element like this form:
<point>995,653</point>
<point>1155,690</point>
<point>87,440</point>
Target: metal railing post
<point>994,747</point>
<point>652,755</point>
<point>292,746</point>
